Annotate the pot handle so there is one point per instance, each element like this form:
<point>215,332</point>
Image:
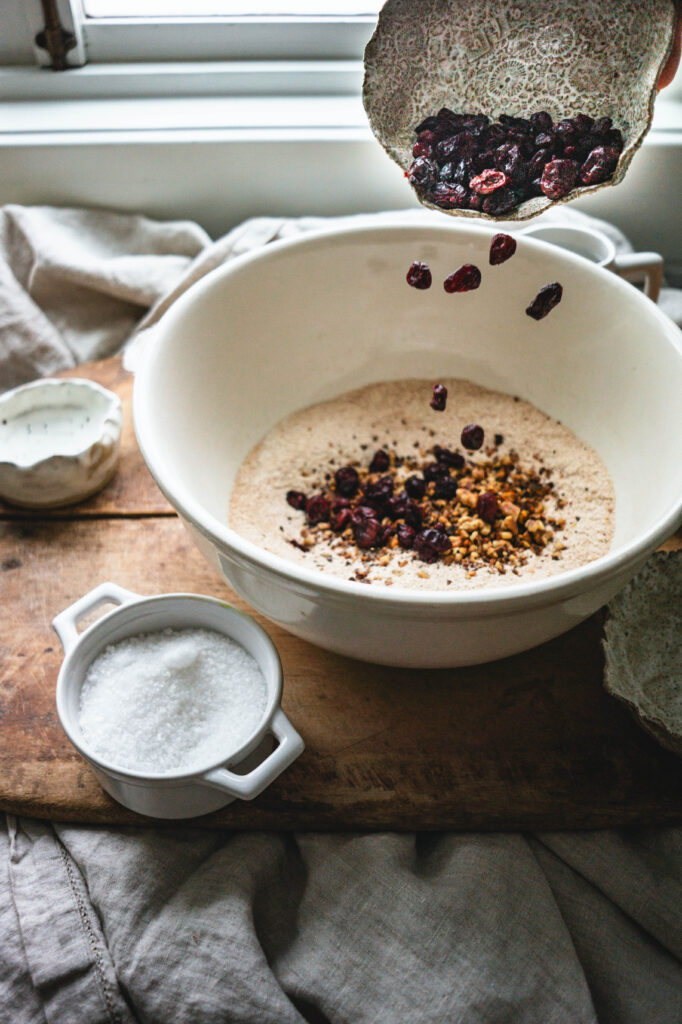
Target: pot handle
<point>642,266</point>
<point>66,622</point>
<point>246,787</point>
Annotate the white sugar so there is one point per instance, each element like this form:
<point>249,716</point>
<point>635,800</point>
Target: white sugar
<point>175,700</point>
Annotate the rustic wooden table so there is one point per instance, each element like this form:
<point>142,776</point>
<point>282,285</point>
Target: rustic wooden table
<point>532,742</point>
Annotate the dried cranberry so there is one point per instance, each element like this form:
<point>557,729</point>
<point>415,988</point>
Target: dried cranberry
<point>439,398</point>
<point>472,437</point>
<point>362,512</point>
<point>433,470</point>
<point>427,137</point>
<point>488,506</point>
<point>405,535</point>
<point>465,279</point>
<point>449,197</point>
<point>445,487</point>
<point>448,458</point>
<point>367,533</point>
<point>415,487</point>
<point>602,126</point>
<point>430,544</point>
<point>475,201</point>
<point>404,508</point>
<point>339,503</point>
<point>422,172</point>
<point>429,124</point>
<point>317,508</point>
<point>297,500</point>
<point>614,138</point>
<point>419,276</point>
<point>503,201</point>
<point>541,121</point>
<point>380,461</point>
<point>559,177</point>
<point>340,520</point>
<point>545,301</point>
<point>422,149</point>
<point>599,165</point>
<point>583,123</point>
<point>488,181</point>
<point>378,492</point>
<point>502,248</point>
<point>508,158</point>
<point>346,479</point>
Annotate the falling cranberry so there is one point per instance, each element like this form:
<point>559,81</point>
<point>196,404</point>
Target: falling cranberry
<point>488,181</point>
<point>465,279</point>
<point>430,544</point>
<point>448,458</point>
<point>415,487</point>
<point>440,397</point>
<point>559,177</point>
<point>502,248</point>
<point>380,461</point>
<point>488,506</point>
<point>317,508</point>
<point>545,301</point>
<point>472,437</point>
<point>419,276</point>
<point>406,535</point>
<point>340,520</point>
<point>297,500</point>
<point>346,479</point>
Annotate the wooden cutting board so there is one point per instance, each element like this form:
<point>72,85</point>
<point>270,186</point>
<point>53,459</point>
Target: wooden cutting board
<point>532,742</point>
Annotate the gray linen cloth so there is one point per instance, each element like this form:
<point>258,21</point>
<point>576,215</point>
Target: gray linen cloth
<point>184,925</point>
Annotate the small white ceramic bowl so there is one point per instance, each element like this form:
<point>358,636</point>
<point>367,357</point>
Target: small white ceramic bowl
<point>303,320</point>
<point>174,794</point>
<point>59,441</point>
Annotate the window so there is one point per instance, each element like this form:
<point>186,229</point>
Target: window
<point>218,30</point>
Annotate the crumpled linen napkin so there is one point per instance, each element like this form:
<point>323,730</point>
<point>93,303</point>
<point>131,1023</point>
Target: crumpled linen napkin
<point>74,283</point>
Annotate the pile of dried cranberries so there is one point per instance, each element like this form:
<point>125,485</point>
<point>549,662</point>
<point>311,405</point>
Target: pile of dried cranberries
<point>465,161</point>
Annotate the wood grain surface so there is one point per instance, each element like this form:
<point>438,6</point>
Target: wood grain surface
<point>531,742</point>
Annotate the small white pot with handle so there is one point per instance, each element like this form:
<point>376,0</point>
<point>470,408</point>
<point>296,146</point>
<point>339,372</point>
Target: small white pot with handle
<point>595,246</point>
<point>239,774</point>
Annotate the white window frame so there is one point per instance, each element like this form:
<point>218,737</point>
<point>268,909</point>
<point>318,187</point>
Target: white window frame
<point>159,39</point>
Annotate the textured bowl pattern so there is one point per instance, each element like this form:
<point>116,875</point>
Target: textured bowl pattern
<point>601,58</point>
<point>643,648</point>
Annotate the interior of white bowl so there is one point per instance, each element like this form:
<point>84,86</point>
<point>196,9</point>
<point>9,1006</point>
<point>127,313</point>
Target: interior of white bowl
<point>305,320</point>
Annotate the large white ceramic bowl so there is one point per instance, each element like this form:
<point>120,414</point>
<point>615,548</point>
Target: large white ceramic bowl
<point>303,320</point>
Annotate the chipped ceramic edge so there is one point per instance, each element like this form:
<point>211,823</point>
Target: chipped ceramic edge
<point>653,724</point>
<point>536,205</point>
<point>64,478</point>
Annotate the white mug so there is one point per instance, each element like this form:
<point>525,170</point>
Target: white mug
<point>598,248</point>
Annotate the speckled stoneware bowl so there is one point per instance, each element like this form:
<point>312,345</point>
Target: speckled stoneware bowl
<point>59,441</point>
<point>600,57</point>
<point>643,648</point>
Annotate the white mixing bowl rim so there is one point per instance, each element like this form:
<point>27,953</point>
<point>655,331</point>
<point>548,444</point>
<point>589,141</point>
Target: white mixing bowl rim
<point>548,590</point>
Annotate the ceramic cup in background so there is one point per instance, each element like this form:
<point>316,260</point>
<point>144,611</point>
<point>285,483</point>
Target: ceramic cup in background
<point>240,774</point>
<point>595,246</point>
